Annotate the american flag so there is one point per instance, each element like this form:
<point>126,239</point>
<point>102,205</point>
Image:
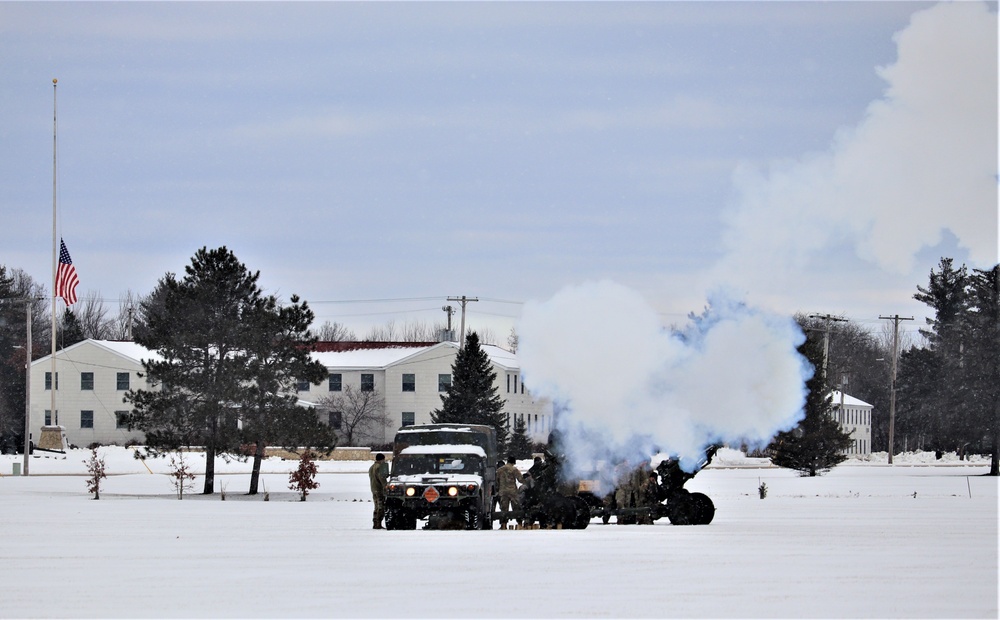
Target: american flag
<point>66,279</point>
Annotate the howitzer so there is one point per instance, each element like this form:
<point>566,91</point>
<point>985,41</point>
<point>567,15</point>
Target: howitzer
<point>667,498</point>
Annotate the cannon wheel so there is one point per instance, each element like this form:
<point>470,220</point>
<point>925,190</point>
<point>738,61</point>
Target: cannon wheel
<point>582,519</point>
<point>691,509</point>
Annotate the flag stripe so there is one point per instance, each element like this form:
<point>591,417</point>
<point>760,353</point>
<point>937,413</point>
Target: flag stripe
<point>66,279</point>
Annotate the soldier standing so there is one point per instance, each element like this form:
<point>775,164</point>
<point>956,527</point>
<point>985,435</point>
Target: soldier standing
<point>378,475</point>
<point>507,478</point>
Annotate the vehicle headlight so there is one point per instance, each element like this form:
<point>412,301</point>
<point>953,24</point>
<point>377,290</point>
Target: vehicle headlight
<point>410,491</point>
<point>471,488</point>
<point>452,491</point>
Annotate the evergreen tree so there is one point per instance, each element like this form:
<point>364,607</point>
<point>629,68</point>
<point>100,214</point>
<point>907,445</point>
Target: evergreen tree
<point>72,330</point>
<point>17,289</point>
<point>520,445</point>
<point>278,355</point>
<point>982,363</point>
<point>817,444</point>
<point>473,397</point>
<point>199,328</point>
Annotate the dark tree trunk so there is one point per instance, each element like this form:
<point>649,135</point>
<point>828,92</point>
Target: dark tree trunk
<point>209,470</point>
<point>258,456</point>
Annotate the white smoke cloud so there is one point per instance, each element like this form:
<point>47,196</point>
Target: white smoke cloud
<point>923,160</point>
<point>626,386</point>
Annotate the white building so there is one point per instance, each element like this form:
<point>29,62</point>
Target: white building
<point>92,377</point>
<point>855,417</point>
<point>91,380</point>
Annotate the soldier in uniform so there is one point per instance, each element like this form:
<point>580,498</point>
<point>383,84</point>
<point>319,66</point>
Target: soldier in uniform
<point>378,475</point>
<point>507,478</point>
<point>649,497</point>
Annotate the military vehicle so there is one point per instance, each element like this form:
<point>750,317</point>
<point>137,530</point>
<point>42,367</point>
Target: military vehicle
<point>445,473</point>
<point>553,501</point>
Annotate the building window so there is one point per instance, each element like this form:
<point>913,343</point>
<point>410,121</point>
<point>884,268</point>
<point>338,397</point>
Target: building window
<point>48,381</point>
<point>367,383</point>
<point>122,381</point>
<point>409,383</point>
<point>302,385</point>
<point>409,418</point>
<point>508,384</point>
<point>86,381</point>
<point>121,419</point>
<point>48,417</point>
<point>515,384</point>
<point>336,382</point>
<point>86,419</point>
<point>336,419</point>
<point>444,382</point>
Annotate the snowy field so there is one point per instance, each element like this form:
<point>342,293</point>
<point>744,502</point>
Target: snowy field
<point>917,539</point>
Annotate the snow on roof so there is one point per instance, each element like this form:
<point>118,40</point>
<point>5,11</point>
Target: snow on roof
<point>123,348</point>
<point>849,401</point>
<point>349,355</point>
<point>365,358</point>
<point>445,449</point>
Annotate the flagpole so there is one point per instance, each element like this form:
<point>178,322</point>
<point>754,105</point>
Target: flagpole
<point>55,260</point>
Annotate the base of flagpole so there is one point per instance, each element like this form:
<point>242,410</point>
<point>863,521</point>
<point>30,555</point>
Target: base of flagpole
<point>53,438</point>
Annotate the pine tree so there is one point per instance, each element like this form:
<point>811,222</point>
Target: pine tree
<point>817,444</point>
<point>201,330</point>
<point>72,330</point>
<point>520,444</point>
<point>982,367</point>
<point>473,397</point>
<point>277,357</point>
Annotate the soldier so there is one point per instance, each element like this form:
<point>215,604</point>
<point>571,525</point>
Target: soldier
<point>378,474</point>
<point>507,478</point>
<point>649,497</point>
<point>623,492</point>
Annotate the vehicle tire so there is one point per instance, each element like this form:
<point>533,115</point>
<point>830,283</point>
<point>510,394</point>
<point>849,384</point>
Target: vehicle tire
<point>473,519</point>
<point>392,519</point>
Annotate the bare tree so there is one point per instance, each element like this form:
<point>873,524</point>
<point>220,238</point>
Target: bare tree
<point>512,341</point>
<point>92,315</point>
<point>334,332</point>
<point>411,331</point>
<point>120,328</point>
<point>362,414</point>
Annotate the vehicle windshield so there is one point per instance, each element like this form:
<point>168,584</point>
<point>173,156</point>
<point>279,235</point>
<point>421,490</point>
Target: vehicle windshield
<point>409,464</point>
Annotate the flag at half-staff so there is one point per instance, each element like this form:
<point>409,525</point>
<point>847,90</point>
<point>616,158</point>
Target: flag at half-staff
<point>66,279</point>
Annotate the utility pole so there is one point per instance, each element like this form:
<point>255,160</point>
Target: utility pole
<point>827,318</point>
<point>27,391</point>
<point>892,377</point>
<point>449,311</point>
<point>462,300</point>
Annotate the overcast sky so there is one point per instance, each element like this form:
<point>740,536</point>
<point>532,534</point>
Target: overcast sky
<point>812,157</point>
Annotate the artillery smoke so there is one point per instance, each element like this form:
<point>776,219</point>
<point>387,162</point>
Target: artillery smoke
<point>626,387</point>
<point>922,160</point>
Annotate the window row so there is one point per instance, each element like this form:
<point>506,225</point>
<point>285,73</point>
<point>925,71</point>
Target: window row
<point>87,418</point>
<point>852,416</point>
<point>122,381</point>
<point>408,383</point>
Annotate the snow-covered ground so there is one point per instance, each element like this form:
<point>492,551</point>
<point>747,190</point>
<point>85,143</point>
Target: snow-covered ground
<point>917,539</point>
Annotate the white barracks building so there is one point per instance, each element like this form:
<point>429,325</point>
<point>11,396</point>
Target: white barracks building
<point>92,377</point>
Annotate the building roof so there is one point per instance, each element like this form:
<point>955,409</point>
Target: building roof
<point>849,401</point>
<point>360,355</point>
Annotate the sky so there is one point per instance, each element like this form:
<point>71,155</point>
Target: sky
<point>378,158</point>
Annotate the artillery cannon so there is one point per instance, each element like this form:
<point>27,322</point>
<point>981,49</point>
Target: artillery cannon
<point>643,495</point>
<point>664,496</point>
